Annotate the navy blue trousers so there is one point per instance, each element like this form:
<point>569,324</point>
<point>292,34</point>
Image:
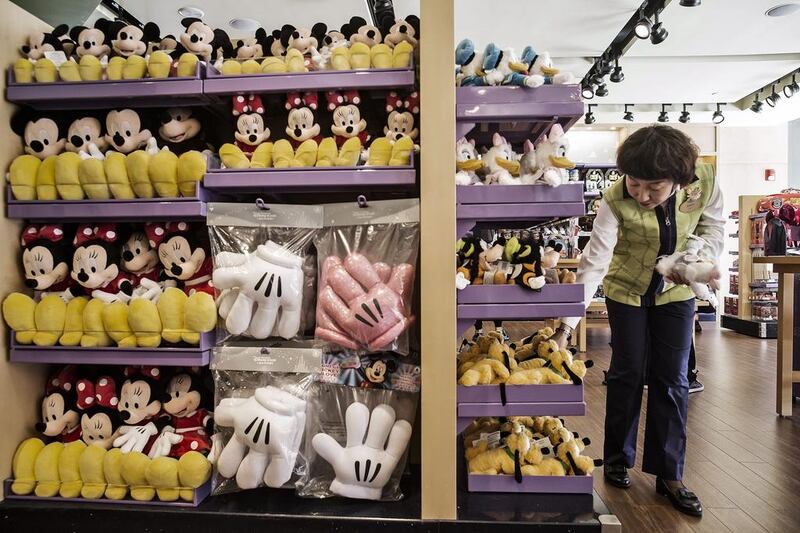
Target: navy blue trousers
<point>664,334</point>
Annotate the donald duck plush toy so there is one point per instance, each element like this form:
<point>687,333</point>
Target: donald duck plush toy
<point>540,66</point>
<point>504,67</point>
<point>470,67</point>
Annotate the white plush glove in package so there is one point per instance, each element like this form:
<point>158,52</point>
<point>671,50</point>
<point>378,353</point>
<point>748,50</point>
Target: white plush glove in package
<point>264,268</point>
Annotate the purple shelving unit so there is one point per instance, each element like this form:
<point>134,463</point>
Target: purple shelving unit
<point>138,209</point>
<point>516,294</point>
<point>469,313</point>
<point>166,355</point>
<point>309,179</point>
<point>108,93</point>
<point>327,80</point>
<point>542,484</point>
<point>520,394</point>
<point>200,494</point>
<point>467,412</point>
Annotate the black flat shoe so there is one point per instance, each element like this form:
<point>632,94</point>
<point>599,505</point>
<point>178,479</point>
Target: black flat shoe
<point>617,475</point>
<point>682,498</point>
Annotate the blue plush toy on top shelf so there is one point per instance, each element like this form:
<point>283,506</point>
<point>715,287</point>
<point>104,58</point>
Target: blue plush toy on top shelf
<point>541,66</point>
<point>497,66</point>
<point>469,70</point>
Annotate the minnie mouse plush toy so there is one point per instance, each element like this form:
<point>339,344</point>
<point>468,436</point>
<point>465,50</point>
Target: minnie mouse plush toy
<point>300,150</point>
<point>349,129</point>
<point>251,148</point>
<point>100,419</point>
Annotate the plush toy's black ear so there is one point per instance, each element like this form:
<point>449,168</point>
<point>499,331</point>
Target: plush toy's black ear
<point>261,34</point>
<point>239,44</point>
<point>114,29</point>
<point>357,22</point>
<point>286,33</point>
<point>53,41</point>
<point>188,21</point>
<point>222,40</point>
<point>20,119</point>
<point>318,31</point>
<point>151,33</point>
<point>413,21</point>
<point>75,32</point>
<point>58,31</point>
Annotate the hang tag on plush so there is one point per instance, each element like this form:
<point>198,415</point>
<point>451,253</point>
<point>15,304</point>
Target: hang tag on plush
<point>57,57</point>
<point>492,440</point>
<point>542,443</point>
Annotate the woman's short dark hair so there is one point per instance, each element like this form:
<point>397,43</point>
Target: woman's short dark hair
<point>658,153</point>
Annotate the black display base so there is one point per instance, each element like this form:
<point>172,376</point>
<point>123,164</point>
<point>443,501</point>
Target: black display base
<point>753,328</point>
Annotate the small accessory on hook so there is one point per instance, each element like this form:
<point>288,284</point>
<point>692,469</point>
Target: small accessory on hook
<point>261,204</point>
<point>362,201</point>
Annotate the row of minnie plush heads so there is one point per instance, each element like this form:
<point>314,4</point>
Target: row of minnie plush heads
<point>102,284</point>
<point>107,431</point>
<point>117,50</point>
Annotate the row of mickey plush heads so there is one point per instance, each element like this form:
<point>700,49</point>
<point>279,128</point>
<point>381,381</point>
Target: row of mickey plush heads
<point>127,161</point>
<point>116,50</point>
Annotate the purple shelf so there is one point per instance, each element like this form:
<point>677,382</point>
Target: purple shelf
<point>309,179</point>
<point>163,356</point>
<point>490,394</point>
<point>139,209</point>
<point>107,93</point>
<point>218,84</point>
<point>467,412</point>
<point>531,484</point>
<point>515,294</point>
<point>519,194</point>
<point>200,494</point>
<point>469,313</point>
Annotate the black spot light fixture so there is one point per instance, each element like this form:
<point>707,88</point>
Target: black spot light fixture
<point>663,116</point>
<point>718,117</point>
<point>757,105</point>
<point>589,118</point>
<point>659,33</point>
<point>791,89</point>
<point>628,113</point>
<point>685,118</point>
<point>773,99</point>
<point>616,74</point>
<point>643,26</point>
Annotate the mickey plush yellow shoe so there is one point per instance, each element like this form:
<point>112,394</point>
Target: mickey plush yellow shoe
<point>22,466</point>
<point>340,58</point>
<point>191,170</point>
<point>22,176</point>
<point>380,151</point>
<point>115,322</point>
<point>401,55</point>
<point>68,183</point>
<point>94,334</point>
<point>381,56</point>
<point>251,66</point>
<point>145,322</point>
<point>90,68</point>
<point>68,71</point>
<point>194,470</point>
<point>134,468</point>
<point>273,65</point>
<point>45,71</point>
<point>187,65</point>
<point>172,311</point>
<point>401,152</point>
<point>19,312</point>
<point>46,470</point>
<point>200,317</point>
<point>115,67</point>
<point>116,487</point>
<point>295,62</point>
<point>163,171</point>
<point>117,176</point>
<point>306,154</point>
<point>359,56</point>
<point>162,473</point>
<point>137,164</point>
<point>69,469</point>
<point>46,180</point>
<point>282,154</point>
<point>327,152</point>
<point>135,68</point>
<point>92,176</point>
<point>73,322</point>
<point>23,70</point>
<point>90,467</point>
<point>350,153</point>
<point>159,64</point>
<point>262,156</point>
<point>49,316</point>
<point>231,67</point>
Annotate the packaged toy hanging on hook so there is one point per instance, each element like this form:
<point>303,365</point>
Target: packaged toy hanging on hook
<point>264,268</point>
<point>357,442</point>
<point>260,415</point>
<point>367,256</point>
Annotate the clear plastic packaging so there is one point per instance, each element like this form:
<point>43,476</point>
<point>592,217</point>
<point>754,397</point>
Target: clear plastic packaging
<point>264,268</point>
<point>261,399</point>
<point>367,256</point>
<point>341,462</point>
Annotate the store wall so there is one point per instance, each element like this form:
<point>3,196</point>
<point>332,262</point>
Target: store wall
<point>794,153</point>
<point>21,384</point>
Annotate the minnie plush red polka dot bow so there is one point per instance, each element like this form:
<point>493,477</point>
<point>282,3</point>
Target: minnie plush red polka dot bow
<point>100,232</point>
<point>296,100</point>
<point>158,231</point>
<point>102,393</point>
<point>247,103</point>
<point>50,232</point>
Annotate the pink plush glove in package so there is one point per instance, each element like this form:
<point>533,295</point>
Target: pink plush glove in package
<point>367,259</point>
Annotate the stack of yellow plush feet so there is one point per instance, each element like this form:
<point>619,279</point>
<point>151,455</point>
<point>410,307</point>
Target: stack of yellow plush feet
<point>531,446</point>
<point>532,361</point>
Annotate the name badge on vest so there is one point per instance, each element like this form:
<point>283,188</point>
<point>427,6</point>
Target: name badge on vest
<point>692,201</point>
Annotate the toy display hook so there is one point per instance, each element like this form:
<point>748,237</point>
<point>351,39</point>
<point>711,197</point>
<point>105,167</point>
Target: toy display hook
<point>261,204</point>
<point>362,201</point>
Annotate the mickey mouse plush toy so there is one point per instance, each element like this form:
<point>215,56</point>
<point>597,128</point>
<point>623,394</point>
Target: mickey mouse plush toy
<point>33,62</point>
<point>32,175</point>
<point>199,42</point>
<point>130,44</point>
<point>190,422</point>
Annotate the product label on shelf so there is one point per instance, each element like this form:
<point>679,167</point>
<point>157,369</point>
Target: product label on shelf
<point>544,442</point>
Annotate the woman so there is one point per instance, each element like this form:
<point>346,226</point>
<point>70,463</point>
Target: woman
<point>664,198</point>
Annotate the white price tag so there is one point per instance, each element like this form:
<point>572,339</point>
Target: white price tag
<point>57,57</point>
<point>544,442</point>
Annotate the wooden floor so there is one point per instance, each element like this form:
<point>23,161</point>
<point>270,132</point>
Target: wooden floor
<point>743,461</point>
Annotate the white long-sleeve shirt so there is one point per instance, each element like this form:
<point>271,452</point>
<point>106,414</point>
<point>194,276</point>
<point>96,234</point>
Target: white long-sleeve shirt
<point>597,255</point>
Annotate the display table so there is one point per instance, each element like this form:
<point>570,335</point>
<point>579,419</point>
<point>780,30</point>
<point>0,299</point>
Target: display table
<point>786,267</point>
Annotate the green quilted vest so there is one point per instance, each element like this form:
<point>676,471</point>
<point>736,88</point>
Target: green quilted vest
<point>638,241</point>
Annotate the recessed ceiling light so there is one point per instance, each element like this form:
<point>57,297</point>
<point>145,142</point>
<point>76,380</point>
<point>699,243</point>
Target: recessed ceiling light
<point>244,24</point>
<point>783,10</point>
<point>191,11</point>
